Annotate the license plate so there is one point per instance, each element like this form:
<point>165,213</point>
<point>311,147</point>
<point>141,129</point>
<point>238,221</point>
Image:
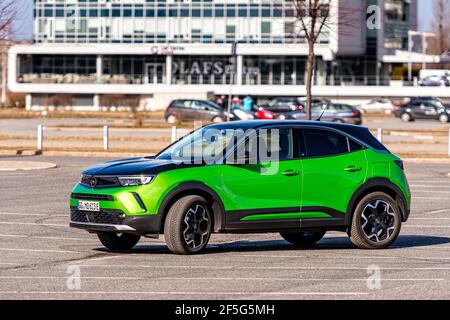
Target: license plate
<point>89,206</point>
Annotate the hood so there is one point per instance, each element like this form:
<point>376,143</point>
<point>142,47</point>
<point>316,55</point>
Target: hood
<point>133,166</point>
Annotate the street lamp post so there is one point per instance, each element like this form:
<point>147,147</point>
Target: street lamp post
<point>424,36</point>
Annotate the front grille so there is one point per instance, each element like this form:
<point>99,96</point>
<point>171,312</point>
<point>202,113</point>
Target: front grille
<point>88,196</point>
<point>100,181</point>
<point>104,216</point>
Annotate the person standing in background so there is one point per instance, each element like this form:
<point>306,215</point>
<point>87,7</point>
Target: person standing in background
<point>221,102</point>
<point>248,103</point>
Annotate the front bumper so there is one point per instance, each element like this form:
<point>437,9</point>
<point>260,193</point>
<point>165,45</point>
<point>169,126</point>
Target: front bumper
<point>115,221</point>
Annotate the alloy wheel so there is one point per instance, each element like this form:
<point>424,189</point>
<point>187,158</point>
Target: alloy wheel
<point>406,117</point>
<point>378,221</point>
<point>196,226</point>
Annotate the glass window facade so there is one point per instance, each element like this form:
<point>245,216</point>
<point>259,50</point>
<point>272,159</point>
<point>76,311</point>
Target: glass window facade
<point>165,21</point>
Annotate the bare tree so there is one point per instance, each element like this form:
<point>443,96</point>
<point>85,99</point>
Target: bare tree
<point>7,15</point>
<point>314,18</point>
<point>441,26</point>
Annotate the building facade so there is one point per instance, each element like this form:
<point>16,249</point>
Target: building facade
<point>164,49</point>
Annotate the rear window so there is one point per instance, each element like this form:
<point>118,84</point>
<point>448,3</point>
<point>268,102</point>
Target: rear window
<point>365,136</point>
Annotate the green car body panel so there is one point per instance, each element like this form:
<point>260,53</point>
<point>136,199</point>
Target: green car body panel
<point>315,189</point>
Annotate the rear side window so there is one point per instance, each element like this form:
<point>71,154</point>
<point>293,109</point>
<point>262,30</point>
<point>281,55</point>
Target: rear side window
<point>324,143</point>
<point>365,136</point>
<point>354,146</point>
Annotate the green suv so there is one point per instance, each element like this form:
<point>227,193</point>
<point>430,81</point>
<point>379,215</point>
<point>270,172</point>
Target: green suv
<point>300,179</point>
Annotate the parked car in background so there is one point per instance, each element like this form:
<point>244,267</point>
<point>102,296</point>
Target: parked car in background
<point>195,110</point>
<point>424,73</point>
<point>242,115</point>
<point>285,104</point>
<point>377,106</point>
<point>424,109</point>
<point>342,113</point>
<point>435,81</point>
<point>264,114</point>
<point>282,105</point>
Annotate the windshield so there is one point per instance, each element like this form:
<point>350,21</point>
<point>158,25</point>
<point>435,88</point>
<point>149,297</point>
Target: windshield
<point>204,143</point>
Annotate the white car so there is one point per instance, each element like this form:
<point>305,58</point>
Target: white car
<point>377,106</point>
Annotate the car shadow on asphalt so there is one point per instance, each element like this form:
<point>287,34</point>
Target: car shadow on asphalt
<point>329,243</point>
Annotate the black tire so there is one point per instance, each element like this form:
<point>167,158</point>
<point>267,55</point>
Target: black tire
<point>118,241</point>
<point>172,119</point>
<point>406,117</point>
<point>303,238</point>
<point>188,225</point>
<point>443,118</point>
<point>369,219</point>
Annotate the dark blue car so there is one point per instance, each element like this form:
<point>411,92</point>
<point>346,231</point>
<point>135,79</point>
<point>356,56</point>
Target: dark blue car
<point>342,113</point>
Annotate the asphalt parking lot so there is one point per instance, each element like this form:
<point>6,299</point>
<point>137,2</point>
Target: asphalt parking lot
<point>38,249</point>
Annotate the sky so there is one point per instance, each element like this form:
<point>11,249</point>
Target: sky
<point>24,21</point>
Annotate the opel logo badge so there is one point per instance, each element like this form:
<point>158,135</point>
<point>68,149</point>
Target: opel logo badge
<point>93,182</point>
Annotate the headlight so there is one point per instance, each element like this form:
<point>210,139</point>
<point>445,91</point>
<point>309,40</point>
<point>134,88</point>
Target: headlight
<point>135,181</point>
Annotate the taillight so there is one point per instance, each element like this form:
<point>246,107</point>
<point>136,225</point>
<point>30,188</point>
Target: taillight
<point>300,107</point>
<point>400,164</point>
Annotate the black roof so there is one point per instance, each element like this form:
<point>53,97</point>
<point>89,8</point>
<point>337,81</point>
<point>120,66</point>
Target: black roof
<point>358,132</point>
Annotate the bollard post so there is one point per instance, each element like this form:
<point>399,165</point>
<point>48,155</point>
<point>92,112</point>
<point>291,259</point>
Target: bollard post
<point>105,138</point>
<point>380,134</point>
<point>174,134</point>
<point>40,137</point>
<point>449,142</point>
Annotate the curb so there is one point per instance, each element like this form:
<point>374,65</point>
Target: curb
<point>10,166</point>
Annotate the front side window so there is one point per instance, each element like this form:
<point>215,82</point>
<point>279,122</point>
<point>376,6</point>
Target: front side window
<point>267,145</point>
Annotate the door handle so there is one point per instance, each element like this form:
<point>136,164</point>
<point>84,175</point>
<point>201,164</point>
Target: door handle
<point>353,169</point>
<point>290,173</point>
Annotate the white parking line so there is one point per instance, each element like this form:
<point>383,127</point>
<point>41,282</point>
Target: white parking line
<point>436,211</point>
<point>412,219</point>
<point>43,238</point>
<point>131,266</point>
<point>428,191</point>
<point>422,226</point>
<point>96,259</point>
<point>39,250</point>
<point>220,279</point>
<point>429,198</point>
<point>183,293</point>
<point>35,224</point>
<point>32,214</point>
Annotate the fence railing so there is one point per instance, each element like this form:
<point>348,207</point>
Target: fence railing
<point>386,136</point>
